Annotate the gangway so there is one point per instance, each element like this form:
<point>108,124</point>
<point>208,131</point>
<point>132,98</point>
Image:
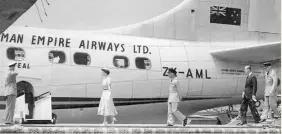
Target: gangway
<point>42,112</point>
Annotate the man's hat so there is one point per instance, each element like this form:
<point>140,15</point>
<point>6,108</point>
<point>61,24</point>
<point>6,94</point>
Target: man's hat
<point>171,70</point>
<point>266,64</point>
<point>248,66</point>
<point>12,64</point>
<point>106,70</point>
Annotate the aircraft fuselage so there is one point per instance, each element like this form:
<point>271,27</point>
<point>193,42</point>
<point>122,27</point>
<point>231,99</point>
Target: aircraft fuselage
<point>68,64</point>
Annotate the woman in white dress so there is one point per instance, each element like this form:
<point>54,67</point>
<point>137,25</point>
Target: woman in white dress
<point>106,105</point>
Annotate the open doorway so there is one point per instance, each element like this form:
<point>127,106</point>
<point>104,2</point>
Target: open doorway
<point>26,88</point>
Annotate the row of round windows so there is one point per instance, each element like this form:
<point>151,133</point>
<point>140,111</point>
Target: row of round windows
<point>80,58</point>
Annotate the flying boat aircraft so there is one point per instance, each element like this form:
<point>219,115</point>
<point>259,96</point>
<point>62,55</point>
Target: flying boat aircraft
<point>207,42</point>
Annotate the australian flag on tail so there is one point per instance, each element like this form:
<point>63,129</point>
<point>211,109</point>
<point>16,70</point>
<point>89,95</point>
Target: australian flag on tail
<point>225,15</point>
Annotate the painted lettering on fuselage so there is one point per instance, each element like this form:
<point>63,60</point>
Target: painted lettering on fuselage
<point>23,65</point>
<point>196,73</point>
<point>11,38</point>
<point>65,42</point>
<point>237,72</point>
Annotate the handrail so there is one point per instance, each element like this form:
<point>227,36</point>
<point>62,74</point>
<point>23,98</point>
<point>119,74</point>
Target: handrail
<point>41,99</point>
<point>43,94</point>
<point>20,93</point>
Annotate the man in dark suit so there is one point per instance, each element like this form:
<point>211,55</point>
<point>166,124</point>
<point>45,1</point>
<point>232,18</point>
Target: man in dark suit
<point>249,97</point>
<point>29,99</point>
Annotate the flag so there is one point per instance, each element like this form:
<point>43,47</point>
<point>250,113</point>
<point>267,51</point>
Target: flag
<point>225,15</point>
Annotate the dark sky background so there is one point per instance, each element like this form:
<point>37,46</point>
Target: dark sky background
<point>92,14</point>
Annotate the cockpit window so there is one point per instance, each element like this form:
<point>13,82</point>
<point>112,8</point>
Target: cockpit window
<point>121,62</point>
<point>57,57</point>
<point>142,63</point>
<point>15,53</point>
<point>82,59</point>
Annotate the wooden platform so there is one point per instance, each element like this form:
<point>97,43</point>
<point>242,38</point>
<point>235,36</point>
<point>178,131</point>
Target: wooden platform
<point>137,128</point>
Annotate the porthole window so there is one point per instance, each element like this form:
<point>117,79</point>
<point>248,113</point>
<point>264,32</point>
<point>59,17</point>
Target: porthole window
<point>15,53</point>
<point>82,59</point>
<point>143,63</point>
<point>121,62</point>
<point>57,57</point>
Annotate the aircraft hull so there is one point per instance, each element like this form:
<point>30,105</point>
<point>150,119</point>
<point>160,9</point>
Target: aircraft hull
<point>141,114</point>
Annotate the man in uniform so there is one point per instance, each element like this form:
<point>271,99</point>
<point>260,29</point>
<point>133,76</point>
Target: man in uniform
<point>10,93</point>
<point>249,97</point>
<point>270,93</point>
<point>173,100</point>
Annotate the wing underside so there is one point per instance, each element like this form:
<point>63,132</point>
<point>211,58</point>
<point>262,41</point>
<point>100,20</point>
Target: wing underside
<point>11,10</point>
<point>254,54</point>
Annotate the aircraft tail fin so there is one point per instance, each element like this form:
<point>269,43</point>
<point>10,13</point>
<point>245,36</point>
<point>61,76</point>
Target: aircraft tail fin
<point>177,23</point>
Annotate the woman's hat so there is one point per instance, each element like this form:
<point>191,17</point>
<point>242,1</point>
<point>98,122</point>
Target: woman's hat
<point>107,71</point>
<point>11,64</point>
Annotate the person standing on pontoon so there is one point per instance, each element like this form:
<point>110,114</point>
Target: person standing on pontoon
<point>106,105</point>
<point>10,93</point>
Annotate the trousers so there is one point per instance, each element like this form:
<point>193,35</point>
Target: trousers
<point>30,110</point>
<point>270,103</point>
<point>244,108</point>
<point>173,111</point>
<point>10,108</point>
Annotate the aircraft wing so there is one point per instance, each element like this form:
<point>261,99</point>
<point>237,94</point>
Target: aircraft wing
<point>11,10</point>
<point>254,54</point>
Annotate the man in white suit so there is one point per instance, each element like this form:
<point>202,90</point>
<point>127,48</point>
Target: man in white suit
<point>10,93</point>
<point>270,93</point>
<point>173,100</point>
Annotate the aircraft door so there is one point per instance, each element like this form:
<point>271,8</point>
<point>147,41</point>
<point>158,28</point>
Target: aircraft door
<point>27,88</point>
<point>178,62</point>
<point>146,78</point>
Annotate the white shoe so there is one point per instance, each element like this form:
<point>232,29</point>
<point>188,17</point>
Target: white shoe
<point>114,120</point>
<point>189,121</point>
<point>105,123</point>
